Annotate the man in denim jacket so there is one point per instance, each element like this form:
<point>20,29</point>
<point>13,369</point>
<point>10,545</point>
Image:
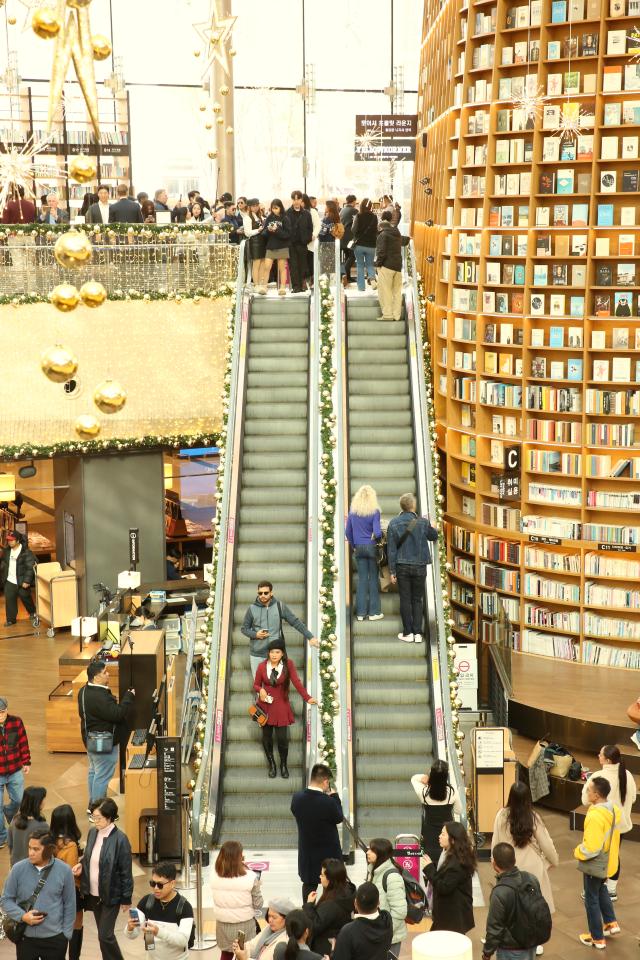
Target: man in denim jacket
<point>408,537</point>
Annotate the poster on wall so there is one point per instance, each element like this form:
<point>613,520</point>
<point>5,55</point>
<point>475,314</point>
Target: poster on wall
<point>465,666</point>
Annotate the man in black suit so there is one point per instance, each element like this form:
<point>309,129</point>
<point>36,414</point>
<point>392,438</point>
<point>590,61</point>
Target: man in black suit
<point>125,209</point>
<point>318,812</point>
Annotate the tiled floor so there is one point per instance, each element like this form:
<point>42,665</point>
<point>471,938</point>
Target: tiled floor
<point>28,671</point>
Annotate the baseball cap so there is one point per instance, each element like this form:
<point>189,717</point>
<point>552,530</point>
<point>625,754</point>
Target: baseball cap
<point>3,703</point>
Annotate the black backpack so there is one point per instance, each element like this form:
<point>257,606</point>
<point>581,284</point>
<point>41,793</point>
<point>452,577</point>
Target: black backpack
<point>149,902</point>
<point>531,925</point>
<point>416,896</point>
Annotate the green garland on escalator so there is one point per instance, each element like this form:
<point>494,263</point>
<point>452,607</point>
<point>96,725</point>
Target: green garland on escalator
<point>445,566</point>
<point>329,703</point>
<point>207,627</point>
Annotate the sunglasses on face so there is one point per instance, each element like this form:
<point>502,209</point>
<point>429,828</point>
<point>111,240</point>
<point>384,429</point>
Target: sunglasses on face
<point>264,593</point>
<point>159,883</point>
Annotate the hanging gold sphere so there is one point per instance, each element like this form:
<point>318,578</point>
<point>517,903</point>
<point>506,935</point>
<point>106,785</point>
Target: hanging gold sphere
<point>45,23</point>
<point>82,168</point>
<point>208,126</point>
<point>217,107</point>
<point>220,120</point>
<point>11,21</point>
<point>224,90</point>
<point>100,46</point>
<point>202,107</point>
<point>58,364</point>
<point>196,53</point>
<point>65,297</point>
<point>78,4</point>
<point>229,130</point>
<point>232,51</point>
<point>72,249</point>
<point>212,154</point>
<point>110,396</point>
<point>87,426</point>
<point>92,293</point>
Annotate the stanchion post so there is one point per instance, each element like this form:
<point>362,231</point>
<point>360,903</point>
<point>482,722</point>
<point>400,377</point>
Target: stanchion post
<point>186,882</point>
<point>201,942</point>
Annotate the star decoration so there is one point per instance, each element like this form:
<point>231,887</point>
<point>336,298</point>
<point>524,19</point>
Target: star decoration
<point>530,103</point>
<point>16,167</point>
<point>73,42</point>
<point>570,123</point>
<point>215,34</point>
<point>366,141</point>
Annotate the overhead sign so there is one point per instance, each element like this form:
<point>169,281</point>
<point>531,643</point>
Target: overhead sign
<point>387,125</point>
<point>385,150</point>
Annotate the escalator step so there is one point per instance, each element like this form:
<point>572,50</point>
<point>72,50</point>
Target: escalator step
<point>408,673</point>
<point>274,478</point>
<point>268,501</point>
<point>287,427</point>
<point>387,487</point>
<point>262,335</point>
<point>273,380</point>
<point>255,532</point>
<point>283,571</point>
<point>269,552</point>
<point>361,419</point>
<point>279,348</point>
<point>360,374</point>
<point>388,404</point>
<point>392,341</point>
<point>275,461</point>
<point>279,310</point>
<point>270,410</point>
<point>283,363</point>
<point>270,444</point>
<point>394,387</point>
<point>277,394</point>
<point>384,743</point>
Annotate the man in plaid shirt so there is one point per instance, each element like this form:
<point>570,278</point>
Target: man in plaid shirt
<point>15,761</point>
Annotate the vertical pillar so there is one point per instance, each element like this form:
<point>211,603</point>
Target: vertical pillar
<point>225,141</point>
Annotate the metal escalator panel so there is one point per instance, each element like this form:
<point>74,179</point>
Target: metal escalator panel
<point>271,543</point>
<point>392,708</point>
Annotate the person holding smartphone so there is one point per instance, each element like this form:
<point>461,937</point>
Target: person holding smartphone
<point>164,918</point>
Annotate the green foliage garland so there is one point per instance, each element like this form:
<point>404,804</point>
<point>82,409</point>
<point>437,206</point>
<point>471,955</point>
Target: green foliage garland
<point>329,704</point>
<point>149,232</point>
<point>34,451</point>
<point>224,290</point>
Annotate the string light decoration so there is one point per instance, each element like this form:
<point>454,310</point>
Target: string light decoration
<point>215,34</point>
<point>16,167</point>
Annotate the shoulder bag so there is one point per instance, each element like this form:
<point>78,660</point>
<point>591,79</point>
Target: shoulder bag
<point>598,864</point>
<point>98,741</point>
<point>14,930</point>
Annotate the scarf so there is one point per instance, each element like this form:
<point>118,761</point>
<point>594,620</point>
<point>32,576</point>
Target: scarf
<point>267,937</point>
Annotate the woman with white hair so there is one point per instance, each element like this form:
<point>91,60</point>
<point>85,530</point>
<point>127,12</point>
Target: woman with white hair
<point>362,531</point>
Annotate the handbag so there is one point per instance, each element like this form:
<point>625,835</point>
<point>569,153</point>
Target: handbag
<point>98,741</point>
<point>174,524</point>
<point>598,865</point>
<point>14,930</point>
<point>257,714</point>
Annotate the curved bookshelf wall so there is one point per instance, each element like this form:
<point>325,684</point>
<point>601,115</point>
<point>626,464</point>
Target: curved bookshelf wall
<point>527,223</point>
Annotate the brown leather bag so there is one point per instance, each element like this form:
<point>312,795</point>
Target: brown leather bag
<point>174,524</point>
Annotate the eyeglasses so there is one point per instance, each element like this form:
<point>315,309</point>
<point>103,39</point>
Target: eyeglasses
<point>159,883</point>
<point>264,593</point>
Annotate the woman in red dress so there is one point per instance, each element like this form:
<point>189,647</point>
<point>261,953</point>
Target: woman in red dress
<point>273,677</point>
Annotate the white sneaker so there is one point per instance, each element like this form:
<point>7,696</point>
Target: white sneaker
<point>539,951</point>
<point>408,638</point>
<point>359,618</point>
<point>417,638</point>
<point>377,616</point>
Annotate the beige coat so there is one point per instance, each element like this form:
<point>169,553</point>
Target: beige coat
<point>536,857</point>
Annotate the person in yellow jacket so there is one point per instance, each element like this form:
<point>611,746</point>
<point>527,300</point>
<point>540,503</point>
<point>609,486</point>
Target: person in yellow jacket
<point>601,836</point>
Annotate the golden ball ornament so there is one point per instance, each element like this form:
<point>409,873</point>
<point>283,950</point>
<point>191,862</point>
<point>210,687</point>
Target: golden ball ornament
<point>100,46</point>
<point>110,396</point>
<point>217,107</point>
<point>87,426</point>
<point>82,168</point>
<point>58,364</point>
<point>232,51</point>
<point>219,121</point>
<point>224,90</point>
<point>229,130</point>
<point>196,53</point>
<point>202,107</point>
<point>11,21</point>
<point>208,126</point>
<point>93,294</point>
<point>65,297</point>
<point>73,249</point>
<point>45,24</point>
<point>212,154</point>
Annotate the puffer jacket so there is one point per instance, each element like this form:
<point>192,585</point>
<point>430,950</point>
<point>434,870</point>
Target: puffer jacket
<point>25,566</point>
<point>115,879</point>
<point>393,899</point>
<point>236,899</point>
<point>389,247</point>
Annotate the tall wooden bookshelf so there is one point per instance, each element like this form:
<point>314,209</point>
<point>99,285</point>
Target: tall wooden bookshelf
<point>24,115</point>
<point>527,223</point>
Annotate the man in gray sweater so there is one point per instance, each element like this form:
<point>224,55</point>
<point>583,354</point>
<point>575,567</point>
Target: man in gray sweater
<point>263,623</point>
<point>49,882</point>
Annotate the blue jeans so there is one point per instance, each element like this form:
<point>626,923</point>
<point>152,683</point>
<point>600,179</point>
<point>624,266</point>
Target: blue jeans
<point>102,767</point>
<point>516,954</point>
<point>598,905</point>
<point>14,784</point>
<point>368,593</point>
<point>364,257</point>
<point>255,662</point>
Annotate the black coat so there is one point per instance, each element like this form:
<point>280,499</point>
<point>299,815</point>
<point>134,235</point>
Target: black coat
<point>365,939</point>
<point>452,896</point>
<point>365,229</point>
<point>327,918</point>
<point>347,216</point>
<point>25,566</point>
<point>317,815</point>
<point>102,711</point>
<point>300,226</point>
<point>277,239</point>
<point>389,247</point>
<point>125,210</point>
<point>502,909</point>
<point>115,879</point>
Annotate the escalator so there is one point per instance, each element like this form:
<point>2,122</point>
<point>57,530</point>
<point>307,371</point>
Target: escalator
<point>391,690</point>
<point>270,542</point>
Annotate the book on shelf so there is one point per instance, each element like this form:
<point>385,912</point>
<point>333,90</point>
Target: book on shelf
<point>604,275</point>
<point>567,151</point>
<point>625,274</point>
<point>623,304</point>
<point>630,181</point>
<point>537,337</point>
<point>605,214</point>
<point>621,370</point>
<point>602,247</point>
<point>631,76</point>
<point>626,245</point>
<point>612,114</point>
<point>602,305</point>
<point>565,180</point>
<point>539,367</point>
<point>598,340</point>
<point>580,215</point>
<point>608,181</point>
<point>589,44</point>
<point>556,337</point>
<point>554,50</point>
<point>574,368</point>
<point>612,79</point>
<point>616,42</point>
<point>584,150</point>
<point>627,216</point>
<point>556,369</point>
<point>558,11</point>
<point>575,336</point>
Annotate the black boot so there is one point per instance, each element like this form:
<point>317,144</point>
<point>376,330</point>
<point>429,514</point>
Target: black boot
<point>284,770</point>
<point>268,750</point>
<point>75,945</point>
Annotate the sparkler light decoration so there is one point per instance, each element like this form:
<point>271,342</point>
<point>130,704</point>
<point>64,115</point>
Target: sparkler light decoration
<point>365,141</point>
<point>530,103</point>
<point>16,167</point>
<point>215,34</point>
<point>570,124</point>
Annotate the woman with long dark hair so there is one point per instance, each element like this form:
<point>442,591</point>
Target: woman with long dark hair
<point>327,916</point>
<point>253,223</point>
<point>384,873</point>
<point>440,804</point>
<point>521,826</point>
<point>451,879</point>
<point>236,897</point>
<point>276,231</point>
<point>622,794</point>
<point>273,678</point>
<point>298,930</point>
<point>365,234</point>
<point>330,230</point>
<point>67,835</point>
<point>27,819</point>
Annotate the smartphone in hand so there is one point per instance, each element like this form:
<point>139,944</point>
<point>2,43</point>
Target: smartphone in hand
<point>241,938</point>
<point>133,915</point>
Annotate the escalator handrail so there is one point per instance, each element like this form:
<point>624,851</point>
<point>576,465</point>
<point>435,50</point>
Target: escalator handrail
<point>444,740</point>
<point>205,808</point>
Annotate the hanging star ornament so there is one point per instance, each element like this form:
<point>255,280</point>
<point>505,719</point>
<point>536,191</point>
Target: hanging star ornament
<point>530,103</point>
<point>73,42</point>
<point>367,140</point>
<point>215,34</point>
<point>571,121</point>
<point>16,167</point>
